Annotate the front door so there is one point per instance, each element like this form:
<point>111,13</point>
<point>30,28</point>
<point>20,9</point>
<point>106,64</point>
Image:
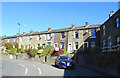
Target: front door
<point>85,45</point>
<point>69,48</point>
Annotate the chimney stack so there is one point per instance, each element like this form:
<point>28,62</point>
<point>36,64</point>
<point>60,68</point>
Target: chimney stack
<point>4,36</point>
<point>49,29</point>
<point>31,31</point>
<point>24,33</point>
<point>17,34</point>
<point>86,24</point>
<point>111,13</point>
<point>73,25</point>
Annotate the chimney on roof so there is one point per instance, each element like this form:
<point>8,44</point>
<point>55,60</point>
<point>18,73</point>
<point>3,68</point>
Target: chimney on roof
<point>31,31</point>
<point>4,36</point>
<point>49,29</point>
<point>17,34</point>
<point>24,32</point>
<point>73,25</point>
<point>111,13</point>
<point>86,24</point>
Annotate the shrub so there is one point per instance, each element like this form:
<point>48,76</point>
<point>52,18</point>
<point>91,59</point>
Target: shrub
<point>40,47</point>
<point>13,51</point>
<point>46,49</point>
<point>50,51</point>
<point>32,52</point>
<point>8,45</point>
<point>64,51</point>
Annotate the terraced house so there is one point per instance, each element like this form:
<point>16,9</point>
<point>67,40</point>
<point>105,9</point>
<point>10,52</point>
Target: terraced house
<point>70,39</point>
<point>110,33</point>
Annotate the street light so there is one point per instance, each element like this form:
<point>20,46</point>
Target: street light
<point>18,36</point>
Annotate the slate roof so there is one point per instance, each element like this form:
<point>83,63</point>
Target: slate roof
<point>57,30</point>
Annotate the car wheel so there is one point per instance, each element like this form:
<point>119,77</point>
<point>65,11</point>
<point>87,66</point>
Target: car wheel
<point>59,66</point>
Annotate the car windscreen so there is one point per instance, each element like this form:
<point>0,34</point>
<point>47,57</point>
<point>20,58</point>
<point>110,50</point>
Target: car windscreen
<point>65,58</point>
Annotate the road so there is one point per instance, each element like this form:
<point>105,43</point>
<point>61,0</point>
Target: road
<point>28,68</point>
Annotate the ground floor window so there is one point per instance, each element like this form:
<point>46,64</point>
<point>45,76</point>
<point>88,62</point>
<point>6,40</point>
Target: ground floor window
<point>49,43</point>
<point>62,45</point>
<point>43,45</point>
<point>92,44</point>
<point>118,40</point>
<point>85,45</point>
<point>76,45</point>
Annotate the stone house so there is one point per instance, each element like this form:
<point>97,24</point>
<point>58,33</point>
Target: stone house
<point>110,33</point>
<point>70,39</point>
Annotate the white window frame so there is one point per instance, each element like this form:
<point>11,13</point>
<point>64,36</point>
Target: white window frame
<point>75,45</point>
<point>39,37</point>
<point>55,44</point>
<point>21,39</point>
<point>75,34</point>
<point>14,39</point>
<point>8,40</point>
<point>61,45</point>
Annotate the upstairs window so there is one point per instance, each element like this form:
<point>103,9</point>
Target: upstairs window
<point>29,39</point>
<point>76,34</point>
<point>92,33</point>
<point>39,37</point>
<point>63,36</point>
<point>117,23</point>
<point>49,36</point>
<point>104,30</point>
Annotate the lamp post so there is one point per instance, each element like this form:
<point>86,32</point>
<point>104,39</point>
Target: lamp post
<point>18,36</point>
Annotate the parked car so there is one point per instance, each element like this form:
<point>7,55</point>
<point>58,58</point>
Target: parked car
<point>63,62</point>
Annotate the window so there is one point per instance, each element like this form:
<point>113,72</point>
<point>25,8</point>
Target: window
<point>33,46</point>
<point>103,30</point>
<point>92,44</point>
<point>117,22</point>
<point>29,38</point>
<point>39,37</point>
<point>21,39</point>
<point>13,46</point>
<point>62,45</point>
<point>76,34</point>
<point>63,36</point>
<point>8,41</point>
<point>49,43</point>
<point>118,40</point>
<point>49,36</point>
<point>46,37</point>
<point>92,33</point>
<point>38,45</point>
<point>76,45</point>
<point>14,39</point>
<point>104,44</point>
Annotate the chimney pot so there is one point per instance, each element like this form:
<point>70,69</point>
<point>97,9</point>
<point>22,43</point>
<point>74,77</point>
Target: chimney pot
<point>31,31</point>
<point>111,13</point>
<point>17,34</point>
<point>4,36</point>
<point>73,25</point>
<point>49,29</point>
<point>24,32</point>
<point>86,24</point>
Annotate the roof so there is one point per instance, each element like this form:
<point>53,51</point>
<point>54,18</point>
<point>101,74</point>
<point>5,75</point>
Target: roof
<point>57,30</point>
<point>111,17</point>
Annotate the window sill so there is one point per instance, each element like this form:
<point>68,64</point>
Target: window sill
<point>93,37</point>
<point>76,38</point>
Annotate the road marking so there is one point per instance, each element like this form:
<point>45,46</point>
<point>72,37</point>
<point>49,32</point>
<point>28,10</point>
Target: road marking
<point>26,71</point>
<point>39,70</point>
